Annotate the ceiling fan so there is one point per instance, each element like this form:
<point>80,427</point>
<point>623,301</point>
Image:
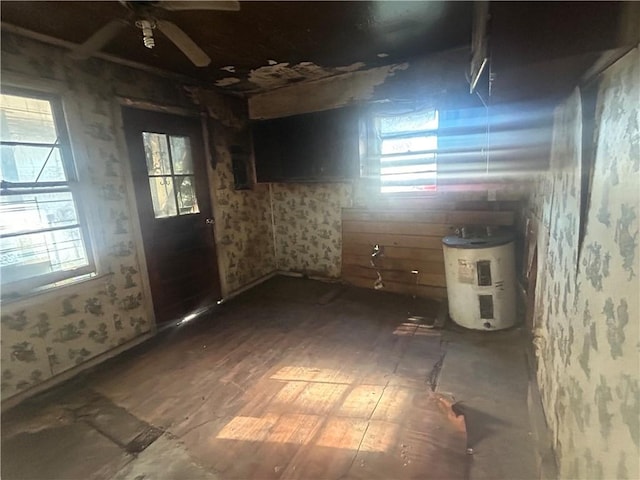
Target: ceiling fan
<point>148,16</point>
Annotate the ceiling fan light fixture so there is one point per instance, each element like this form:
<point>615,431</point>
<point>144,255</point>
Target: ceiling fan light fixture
<point>147,27</point>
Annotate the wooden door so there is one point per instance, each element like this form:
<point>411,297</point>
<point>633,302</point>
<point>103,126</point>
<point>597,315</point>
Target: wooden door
<point>172,193</point>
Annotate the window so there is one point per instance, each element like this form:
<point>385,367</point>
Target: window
<point>43,238</point>
<point>170,172</point>
<point>408,145</point>
<point>426,149</point>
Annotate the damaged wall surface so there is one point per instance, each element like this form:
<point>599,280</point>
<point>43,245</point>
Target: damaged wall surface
<point>44,335</point>
<point>307,216</point>
<point>587,306</point>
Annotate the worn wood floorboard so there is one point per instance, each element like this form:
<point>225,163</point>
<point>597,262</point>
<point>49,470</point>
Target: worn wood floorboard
<point>283,387</point>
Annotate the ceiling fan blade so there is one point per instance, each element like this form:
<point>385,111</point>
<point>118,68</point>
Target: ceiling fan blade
<point>229,5</point>
<point>184,43</point>
<point>98,40</point>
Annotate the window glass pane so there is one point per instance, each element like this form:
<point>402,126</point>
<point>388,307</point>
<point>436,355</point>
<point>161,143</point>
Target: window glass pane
<point>69,251</point>
<point>164,201</point>
<point>403,165</point>
<point>34,254</point>
<point>409,122</point>
<point>181,155</point>
<point>40,229</point>
<point>187,201</point>
<point>427,167</point>
<point>409,188</point>
<point>24,119</point>
<point>20,163</point>
<point>156,151</point>
<point>409,178</point>
<point>411,144</point>
<point>36,211</point>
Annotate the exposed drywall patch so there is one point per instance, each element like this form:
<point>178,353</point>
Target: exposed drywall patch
<point>277,75</point>
<point>227,81</point>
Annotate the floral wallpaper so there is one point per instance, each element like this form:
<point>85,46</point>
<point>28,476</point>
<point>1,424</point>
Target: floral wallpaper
<point>244,233</point>
<point>308,226</point>
<point>587,306</point>
<point>244,225</point>
<point>46,334</point>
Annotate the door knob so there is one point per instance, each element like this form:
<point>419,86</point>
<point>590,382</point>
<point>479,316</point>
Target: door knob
<point>209,221</point>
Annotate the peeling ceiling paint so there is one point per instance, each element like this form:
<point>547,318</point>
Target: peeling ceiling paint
<point>328,92</point>
<point>281,74</point>
<point>227,81</point>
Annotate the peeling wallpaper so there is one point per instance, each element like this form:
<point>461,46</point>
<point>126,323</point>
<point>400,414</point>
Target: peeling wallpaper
<point>587,303</point>
<point>308,226</point>
<point>46,334</point>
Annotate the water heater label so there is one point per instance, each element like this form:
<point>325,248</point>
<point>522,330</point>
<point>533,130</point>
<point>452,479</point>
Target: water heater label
<point>466,271</point>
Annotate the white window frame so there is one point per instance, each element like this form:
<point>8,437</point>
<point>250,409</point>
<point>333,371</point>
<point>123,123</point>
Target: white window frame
<point>372,162</point>
<point>24,286</point>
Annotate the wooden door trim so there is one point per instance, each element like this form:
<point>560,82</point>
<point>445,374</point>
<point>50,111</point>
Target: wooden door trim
<point>132,203</point>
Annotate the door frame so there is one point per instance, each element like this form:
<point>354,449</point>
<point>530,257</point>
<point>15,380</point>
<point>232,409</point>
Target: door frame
<point>138,239</point>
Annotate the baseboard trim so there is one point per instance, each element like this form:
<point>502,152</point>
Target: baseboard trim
<point>72,372</point>
<point>249,286</point>
<point>311,277</point>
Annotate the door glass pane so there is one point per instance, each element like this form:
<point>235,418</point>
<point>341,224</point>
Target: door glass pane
<point>156,151</point>
<point>164,201</point>
<point>181,155</point>
<point>187,201</point>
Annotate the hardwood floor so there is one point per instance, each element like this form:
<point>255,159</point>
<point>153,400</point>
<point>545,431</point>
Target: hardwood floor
<point>295,379</point>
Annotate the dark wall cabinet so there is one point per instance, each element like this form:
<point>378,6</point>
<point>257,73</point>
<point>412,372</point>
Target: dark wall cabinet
<point>314,147</point>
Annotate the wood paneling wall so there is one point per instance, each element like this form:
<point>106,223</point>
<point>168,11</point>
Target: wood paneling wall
<point>412,240</point>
